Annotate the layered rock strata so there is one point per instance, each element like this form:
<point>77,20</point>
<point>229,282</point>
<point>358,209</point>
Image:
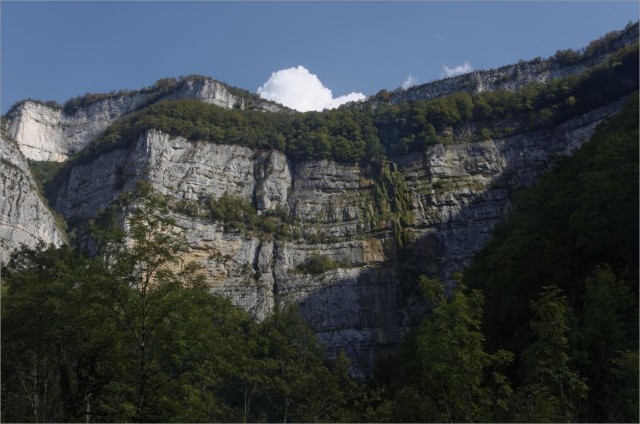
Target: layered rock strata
<point>453,195</point>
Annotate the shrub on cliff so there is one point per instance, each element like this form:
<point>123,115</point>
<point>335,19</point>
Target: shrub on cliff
<point>318,264</point>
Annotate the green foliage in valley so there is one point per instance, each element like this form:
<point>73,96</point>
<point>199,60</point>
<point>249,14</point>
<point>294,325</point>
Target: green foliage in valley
<point>550,390</point>
<point>133,335</point>
<point>442,372</point>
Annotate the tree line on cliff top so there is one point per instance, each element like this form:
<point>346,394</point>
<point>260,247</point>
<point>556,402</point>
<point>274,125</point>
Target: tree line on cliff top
<point>350,133</point>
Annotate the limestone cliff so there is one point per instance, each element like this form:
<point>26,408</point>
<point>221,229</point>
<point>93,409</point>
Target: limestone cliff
<point>24,217</point>
<point>54,133</point>
<point>452,197</point>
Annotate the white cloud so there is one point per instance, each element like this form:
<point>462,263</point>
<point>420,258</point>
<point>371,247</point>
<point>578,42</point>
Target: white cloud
<point>409,82</point>
<point>301,90</point>
<point>457,70</point>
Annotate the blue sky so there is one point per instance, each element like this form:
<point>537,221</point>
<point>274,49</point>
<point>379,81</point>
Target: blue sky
<point>55,51</point>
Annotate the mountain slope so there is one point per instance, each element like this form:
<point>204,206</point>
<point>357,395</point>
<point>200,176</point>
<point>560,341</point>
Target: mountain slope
<point>337,212</point>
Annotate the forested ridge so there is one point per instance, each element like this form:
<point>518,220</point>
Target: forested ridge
<point>351,133</point>
<point>543,327</point>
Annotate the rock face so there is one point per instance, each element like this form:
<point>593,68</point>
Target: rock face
<point>47,133</point>
<point>24,217</point>
<point>208,91</point>
<point>55,133</point>
<point>177,167</point>
<point>454,195</point>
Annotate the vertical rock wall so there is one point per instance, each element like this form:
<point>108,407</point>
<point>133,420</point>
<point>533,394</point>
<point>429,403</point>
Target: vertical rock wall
<point>453,197</point>
<point>24,217</point>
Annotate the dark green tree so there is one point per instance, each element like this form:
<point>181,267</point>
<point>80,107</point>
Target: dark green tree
<point>145,282</point>
<point>451,378</point>
<point>551,390</point>
<point>606,338</point>
<point>59,352</point>
<point>301,388</point>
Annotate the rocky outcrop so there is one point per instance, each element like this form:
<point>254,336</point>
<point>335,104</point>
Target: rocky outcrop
<point>180,168</point>
<point>53,133</point>
<point>207,91</point>
<point>48,133</point>
<point>453,197</point>
<point>24,217</point>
